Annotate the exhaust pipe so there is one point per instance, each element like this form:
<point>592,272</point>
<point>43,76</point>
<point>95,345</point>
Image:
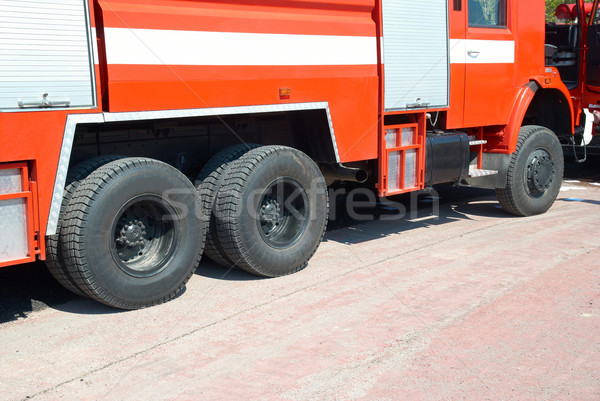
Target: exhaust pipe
<point>336,172</point>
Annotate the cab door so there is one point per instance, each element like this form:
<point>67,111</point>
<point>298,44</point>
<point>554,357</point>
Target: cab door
<point>488,51</point>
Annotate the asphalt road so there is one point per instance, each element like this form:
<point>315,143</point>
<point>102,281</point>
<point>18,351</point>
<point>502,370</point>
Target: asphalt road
<point>471,304</point>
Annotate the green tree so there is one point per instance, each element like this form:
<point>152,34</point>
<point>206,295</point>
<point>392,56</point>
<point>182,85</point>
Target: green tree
<point>490,9</point>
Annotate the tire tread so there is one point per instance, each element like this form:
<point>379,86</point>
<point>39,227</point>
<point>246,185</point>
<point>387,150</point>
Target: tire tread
<point>208,183</point>
<point>229,206</point>
<point>55,261</point>
<point>74,223</point>
<point>512,197</point>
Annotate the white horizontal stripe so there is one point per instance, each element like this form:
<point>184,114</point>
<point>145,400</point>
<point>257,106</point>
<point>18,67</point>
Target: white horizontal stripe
<point>482,51</point>
<point>157,47</point>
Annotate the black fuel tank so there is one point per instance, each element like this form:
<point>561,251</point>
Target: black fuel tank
<point>447,158</point>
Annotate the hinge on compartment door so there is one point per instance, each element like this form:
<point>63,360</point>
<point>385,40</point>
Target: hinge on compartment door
<point>36,237</point>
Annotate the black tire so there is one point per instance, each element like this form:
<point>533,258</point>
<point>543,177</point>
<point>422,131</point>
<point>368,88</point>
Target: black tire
<point>134,233</point>
<point>54,250</point>
<point>208,183</point>
<point>272,211</point>
<point>534,174</point>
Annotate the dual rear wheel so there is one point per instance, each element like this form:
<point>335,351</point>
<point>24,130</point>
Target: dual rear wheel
<point>268,210</point>
<point>132,230</point>
<point>130,235</point>
<point>271,211</point>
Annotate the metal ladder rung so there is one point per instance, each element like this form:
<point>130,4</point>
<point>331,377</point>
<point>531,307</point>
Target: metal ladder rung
<point>474,141</point>
<point>477,172</point>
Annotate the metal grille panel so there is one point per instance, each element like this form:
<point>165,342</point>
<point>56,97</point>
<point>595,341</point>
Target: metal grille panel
<point>415,52</point>
<point>45,49</point>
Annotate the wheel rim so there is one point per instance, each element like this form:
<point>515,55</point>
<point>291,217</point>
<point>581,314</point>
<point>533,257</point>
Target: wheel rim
<point>145,236</point>
<point>539,173</point>
<point>282,213</point>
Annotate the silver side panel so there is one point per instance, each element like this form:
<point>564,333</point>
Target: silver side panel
<point>45,48</point>
<point>74,119</point>
<point>63,165</point>
<point>14,242</point>
<point>415,54</point>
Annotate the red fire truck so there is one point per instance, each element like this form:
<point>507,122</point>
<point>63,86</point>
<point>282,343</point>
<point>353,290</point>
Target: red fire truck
<point>136,135</point>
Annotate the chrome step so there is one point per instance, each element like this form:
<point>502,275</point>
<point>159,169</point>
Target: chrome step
<point>475,172</point>
<point>477,142</point>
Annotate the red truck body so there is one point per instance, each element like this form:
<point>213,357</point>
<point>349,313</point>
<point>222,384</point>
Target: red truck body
<point>358,85</point>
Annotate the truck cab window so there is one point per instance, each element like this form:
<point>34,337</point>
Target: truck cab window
<point>487,13</point>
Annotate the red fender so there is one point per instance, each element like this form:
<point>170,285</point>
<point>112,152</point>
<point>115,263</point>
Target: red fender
<point>523,100</point>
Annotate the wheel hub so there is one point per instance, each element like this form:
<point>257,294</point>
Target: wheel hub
<point>283,213</point>
<point>133,233</point>
<point>143,240</point>
<point>132,240</point>
<point>270,215</point>
<point>540,172</point>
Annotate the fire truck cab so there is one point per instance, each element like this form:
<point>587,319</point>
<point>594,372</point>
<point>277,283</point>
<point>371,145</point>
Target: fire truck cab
<point>137,135</point>
<point>573,48</point>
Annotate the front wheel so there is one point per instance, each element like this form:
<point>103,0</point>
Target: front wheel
<point>534,174</point>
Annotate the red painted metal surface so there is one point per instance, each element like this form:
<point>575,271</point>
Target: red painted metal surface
<point>350,90</point>
<point>487,97</point>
